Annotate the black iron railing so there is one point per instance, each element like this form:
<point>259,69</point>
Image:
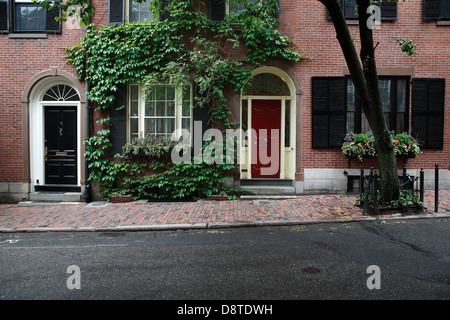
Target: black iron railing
<point>369,187</point>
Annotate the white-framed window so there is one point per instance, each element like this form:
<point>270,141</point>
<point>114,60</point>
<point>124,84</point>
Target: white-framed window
<point>394,93</point>
<point>28,17</point>
<point>139,12</point>
<point>161,110</point>
<point>236,8</point>
<point>220,9</point>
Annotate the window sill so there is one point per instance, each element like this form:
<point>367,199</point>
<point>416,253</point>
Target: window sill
<point>27,36</point>
<point>352,22</point>
<point>443,23</point>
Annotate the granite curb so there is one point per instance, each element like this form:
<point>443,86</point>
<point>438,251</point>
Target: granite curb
<point>219,225</point>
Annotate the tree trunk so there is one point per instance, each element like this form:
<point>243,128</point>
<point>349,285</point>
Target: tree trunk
<point>365,79</point>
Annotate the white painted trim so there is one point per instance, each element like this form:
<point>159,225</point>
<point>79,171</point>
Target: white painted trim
<point>284,172</point>
<point>282,138</point>
<point>249,146</point>
<point>36,121</point>
<point>141,108</point>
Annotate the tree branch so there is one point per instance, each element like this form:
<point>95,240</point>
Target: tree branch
<point>348,49</point>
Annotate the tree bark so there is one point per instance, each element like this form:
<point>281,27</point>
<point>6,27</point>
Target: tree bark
<point>363,72</point>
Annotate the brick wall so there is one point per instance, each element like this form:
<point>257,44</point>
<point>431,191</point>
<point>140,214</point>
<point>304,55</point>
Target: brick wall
<point>20,60</point>
<point>305,22</point>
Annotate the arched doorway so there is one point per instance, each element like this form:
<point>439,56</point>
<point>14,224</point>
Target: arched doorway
<point>61,150</point>
<point>268,117</point>
<point>55,132</point>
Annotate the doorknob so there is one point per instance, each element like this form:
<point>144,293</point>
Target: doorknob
<point>60,131</point>
<point>45,153</point>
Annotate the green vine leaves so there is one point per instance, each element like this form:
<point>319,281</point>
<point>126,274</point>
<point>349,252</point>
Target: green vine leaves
<point>189,47</point>
<point>184,47</point>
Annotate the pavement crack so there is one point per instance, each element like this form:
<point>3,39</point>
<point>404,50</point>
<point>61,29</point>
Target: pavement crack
<point>377,231</point>
<point>415,248</point>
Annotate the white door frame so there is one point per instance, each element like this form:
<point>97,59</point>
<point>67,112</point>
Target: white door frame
<point>36,134</point>
<point>285,173</point>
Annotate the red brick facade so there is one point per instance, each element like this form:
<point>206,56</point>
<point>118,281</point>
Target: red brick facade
<point>305,22</point>
<point>24,58</point>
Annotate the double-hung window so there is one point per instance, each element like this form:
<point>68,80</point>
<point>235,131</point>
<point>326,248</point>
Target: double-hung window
<point>139,12</point>
<point>160,111</point>
<point>121,11</point>
<point>336,111</point>
<point>237,7</point>
<point>394,96</point>
<point>350,9</point>
<point>436,9</point>
<point>219,9</point>
<point>28,17</point>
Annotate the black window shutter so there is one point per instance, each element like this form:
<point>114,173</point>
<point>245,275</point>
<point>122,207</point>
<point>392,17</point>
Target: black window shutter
<point>217,10</point>
<point>4,16</point>
<point>200,113</point>
<point>116,12</point>
<point>388,10</point>
<point>329,96</point>
<point>51,25</point>
<point>276,8</point>
<point>118,119</point>
<point>428,112</point>
<point>431,9</point>
<point>165,14</point>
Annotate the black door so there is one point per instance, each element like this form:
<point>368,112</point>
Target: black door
<point>60,145</point>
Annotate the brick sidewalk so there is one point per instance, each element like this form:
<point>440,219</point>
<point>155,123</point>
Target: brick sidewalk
<point>100,215</point>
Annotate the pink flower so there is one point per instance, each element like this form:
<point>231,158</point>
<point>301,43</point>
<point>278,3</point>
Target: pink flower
<point>367,143</point>
<point>409,146</point>
<point>360,145</point>
<point>395,141</point>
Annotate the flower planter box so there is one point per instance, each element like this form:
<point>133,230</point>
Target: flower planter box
<point>361,146</point>
<point>141,154</point>
<point>121,198</point>
<point>217,197</point>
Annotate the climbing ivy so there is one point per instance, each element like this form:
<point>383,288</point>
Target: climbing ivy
<point>187,48</point>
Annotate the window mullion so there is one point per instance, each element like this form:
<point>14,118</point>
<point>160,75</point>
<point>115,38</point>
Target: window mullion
<point>141,110</point>
<point>178,110</point>
<point>394,103</point>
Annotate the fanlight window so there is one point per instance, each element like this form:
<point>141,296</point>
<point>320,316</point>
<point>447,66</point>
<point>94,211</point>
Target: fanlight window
<point>61,92</point>
<point>267,84</point>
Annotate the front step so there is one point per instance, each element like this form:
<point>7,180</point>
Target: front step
<point>60,196</point>
<point>52,198</point>
<point>269,187</point>
<point>267,182</point>
<point>45,203</point>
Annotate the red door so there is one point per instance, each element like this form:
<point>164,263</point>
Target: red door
<point>266,135</point>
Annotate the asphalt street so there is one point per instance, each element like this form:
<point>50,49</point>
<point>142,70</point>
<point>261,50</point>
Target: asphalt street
<point>324,261</point>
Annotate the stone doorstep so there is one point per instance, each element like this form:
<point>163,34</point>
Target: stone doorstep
<point>46,203</point>
<point>42,196</point>
<point>271,190</point>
